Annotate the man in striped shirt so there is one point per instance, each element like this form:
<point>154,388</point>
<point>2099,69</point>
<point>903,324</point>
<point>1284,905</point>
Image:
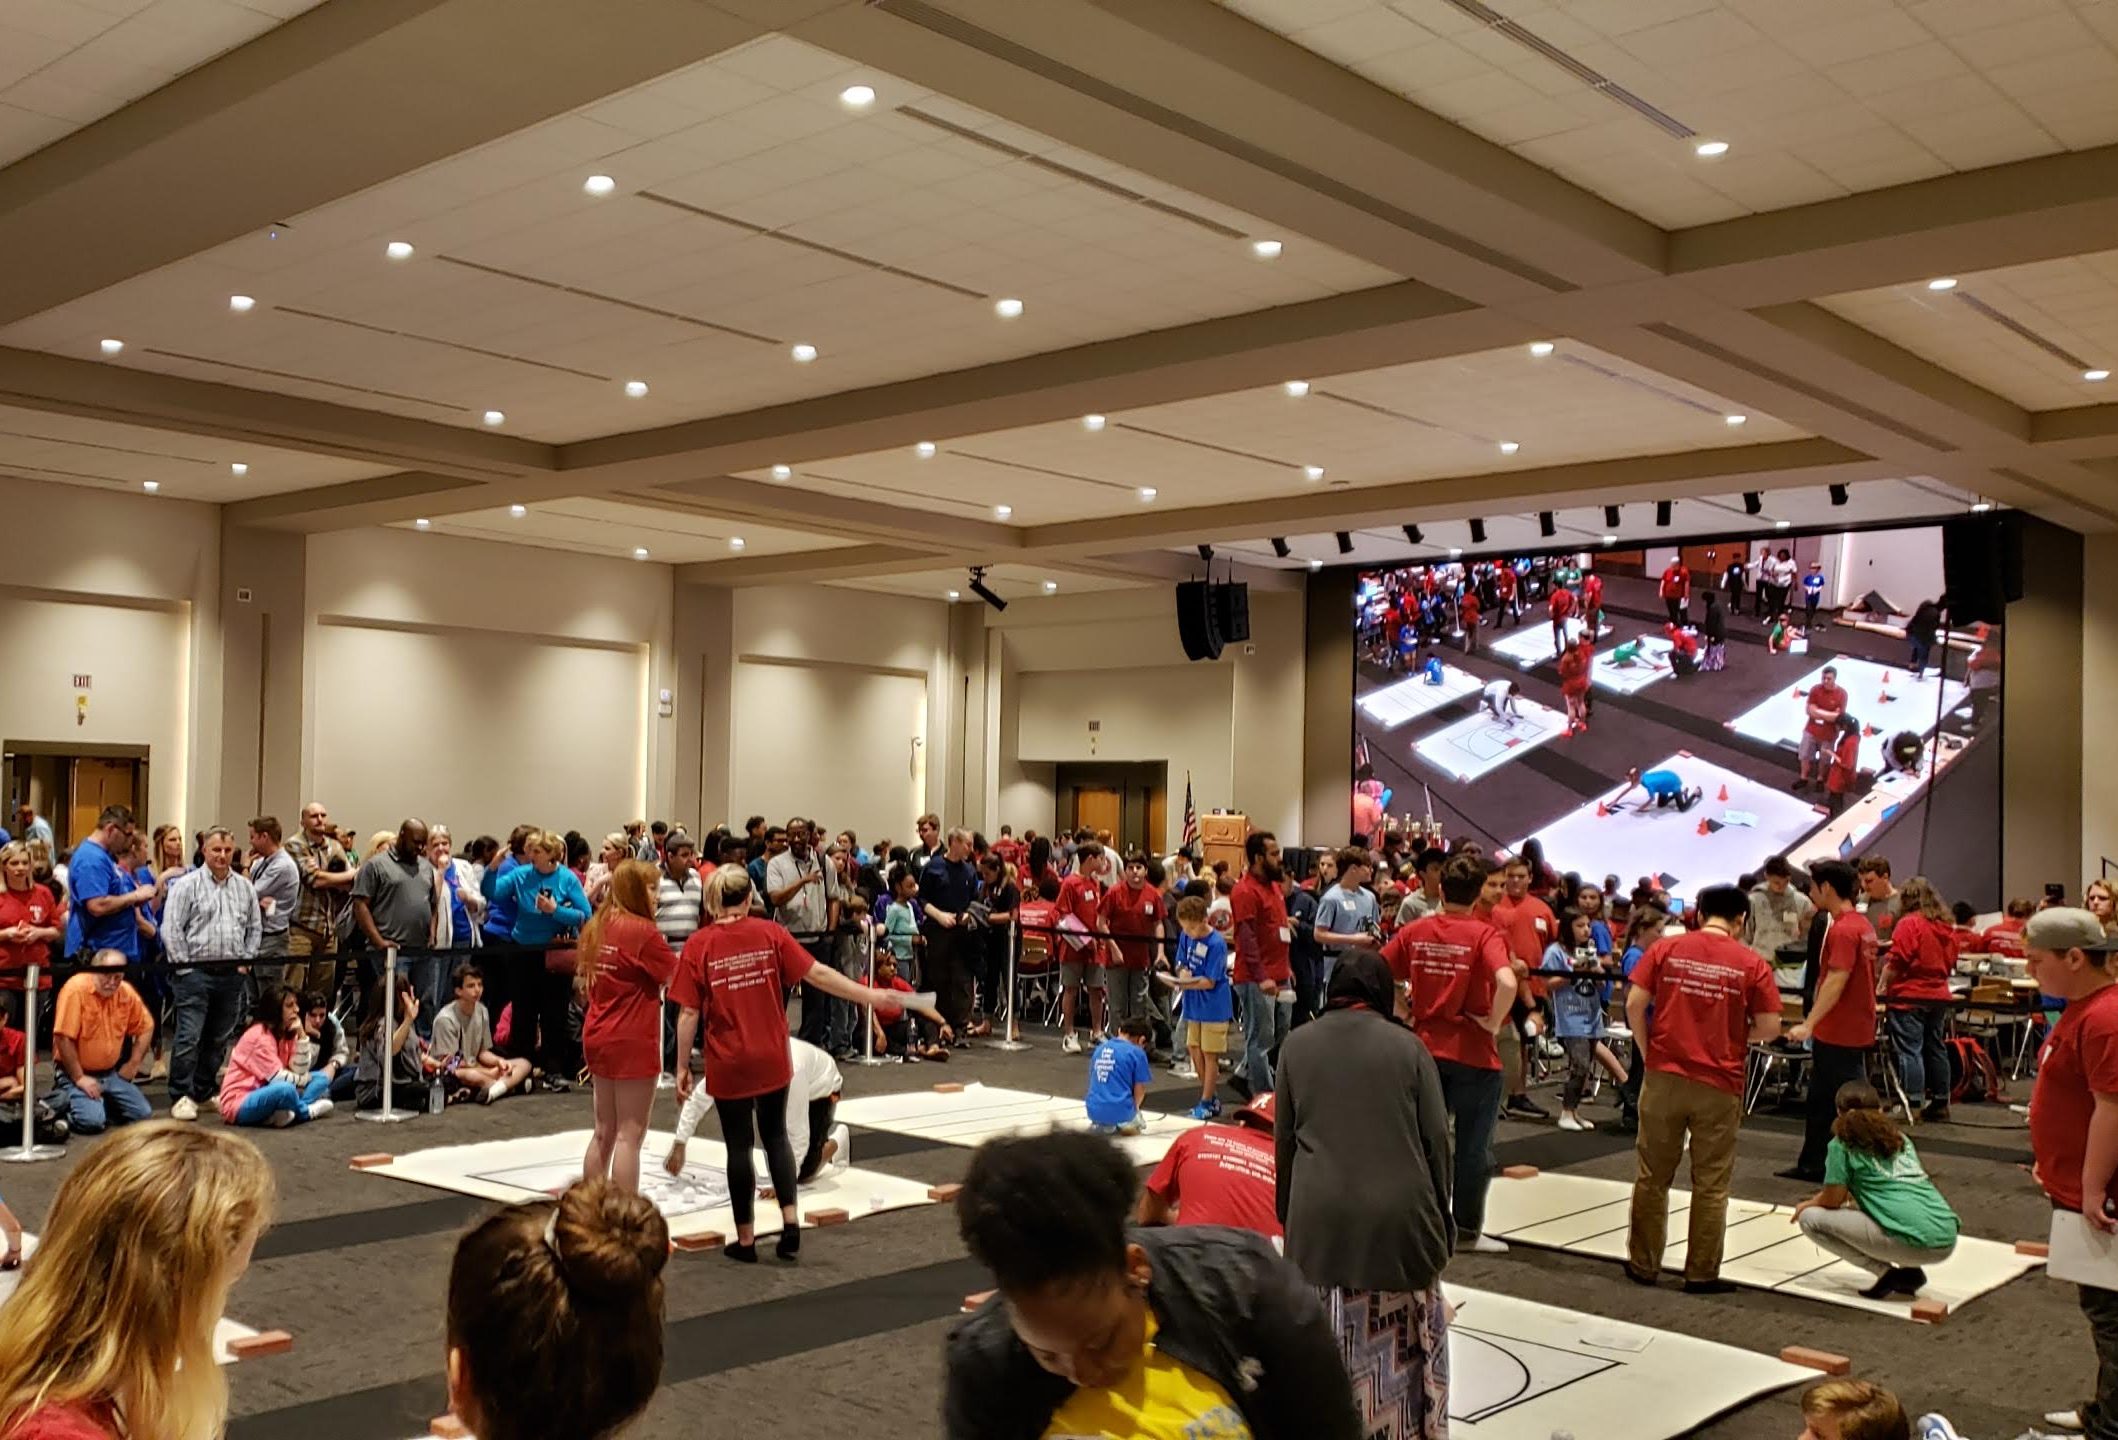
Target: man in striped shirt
<point>211,914</point>
<point>677,908</point>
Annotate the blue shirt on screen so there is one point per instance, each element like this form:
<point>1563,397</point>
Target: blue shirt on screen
<point>1662,782</point>
<point>93,875</point>
<point>1115,1066</point>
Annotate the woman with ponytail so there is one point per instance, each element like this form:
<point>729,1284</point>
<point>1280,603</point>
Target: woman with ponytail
<point>533,1290</point>
<point>1878,1209</point>
<point>621,966</point>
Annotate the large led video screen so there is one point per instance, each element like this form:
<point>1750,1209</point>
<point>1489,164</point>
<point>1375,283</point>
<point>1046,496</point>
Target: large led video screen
<point>1795,695</point>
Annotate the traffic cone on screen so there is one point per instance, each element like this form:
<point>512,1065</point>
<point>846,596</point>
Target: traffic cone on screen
<point>1886,677</point>
<point>1723,796</point>
<point>1603,811</point>
<point>1704,828</point>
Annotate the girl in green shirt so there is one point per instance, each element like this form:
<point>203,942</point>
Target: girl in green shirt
<point>1878,1209</point>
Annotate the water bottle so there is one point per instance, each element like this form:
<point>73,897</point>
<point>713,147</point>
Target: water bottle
<point>435,1099</point>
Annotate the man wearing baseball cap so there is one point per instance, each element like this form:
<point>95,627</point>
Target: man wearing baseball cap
<point>2074,1117</point>
<point>1219,1175</point>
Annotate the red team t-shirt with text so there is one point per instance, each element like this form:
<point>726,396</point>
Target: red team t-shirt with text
<point>621,1036</point>
<point>1134,916</point>
<point>1832,700</point>
<point>1451,964</point>
<point>736,975</point>
<point>2078,1063</point>
<point>1922,957</point>
<point>1849,946</point>
<point>1221,1175</point>
<point>1704,987</point>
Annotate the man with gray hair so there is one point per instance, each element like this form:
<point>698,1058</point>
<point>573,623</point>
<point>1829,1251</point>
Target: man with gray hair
<point>211,915</point>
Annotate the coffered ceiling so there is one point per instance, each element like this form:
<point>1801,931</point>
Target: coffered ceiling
<point>889,289</point>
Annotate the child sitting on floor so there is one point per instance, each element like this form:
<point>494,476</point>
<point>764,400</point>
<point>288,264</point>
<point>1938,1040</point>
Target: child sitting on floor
<point>1877,1210</point>
<point>895,1034</point>
<point>1208,1001</point>
<point>1117,1079</point>
<point>1852,1410</point>
<point>411,1070</point>
<point>463,1045</point>
<point>1578,1012</point>
<point>259,1086</point>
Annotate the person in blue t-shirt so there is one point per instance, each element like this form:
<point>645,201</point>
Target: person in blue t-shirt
<point>103,892</point>
<point>1663,788</point>
<point>1812,593</point>
<point>1209,1001</point>
<point>1117,1079</point>
<point>1578,1012</point>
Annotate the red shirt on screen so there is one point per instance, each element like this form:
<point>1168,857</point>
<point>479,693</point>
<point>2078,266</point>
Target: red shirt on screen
<point>1830,698</point>
<point>1573,671</point>
<point>1592,592</point>
<point>1704,987</point>
<point>1562,602</point>
<point>621,1036</point>
<point>1451,964</point>
<point>1676,581</point>
<point>1504,581</point>
<point>1134,916</point>
<point>2079,1062</point>
<point>1260,911</point>
<point>1221,1175</point>
<point>1849,946</point>
<point>1922,957</point>
<point>736,974</point>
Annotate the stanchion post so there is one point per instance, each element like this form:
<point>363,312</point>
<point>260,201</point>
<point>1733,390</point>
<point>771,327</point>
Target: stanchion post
<point>1012,1036</point>
<point>867,1013</point>
<point>29,1150</point>
<point>389,1114</point>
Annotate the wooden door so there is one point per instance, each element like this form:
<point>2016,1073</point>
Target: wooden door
<point>1099,808</point>
<point>94,784</point>
<point>1158,840</point>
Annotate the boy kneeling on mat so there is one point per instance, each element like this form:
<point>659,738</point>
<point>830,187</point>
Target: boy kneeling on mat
<point>1117,1079</point>
<point>1664,788</point>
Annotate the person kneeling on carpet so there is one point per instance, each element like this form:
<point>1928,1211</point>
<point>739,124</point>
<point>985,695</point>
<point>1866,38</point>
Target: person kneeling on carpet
<point>1878,1209</point>
<point>1118,1075</point>
<point>535,1288</point>
<point>1662,788</point>
<point>812,1105</point>
<point>1101,1330</point>
<point>918,1035</point>
<point>260,1086</point>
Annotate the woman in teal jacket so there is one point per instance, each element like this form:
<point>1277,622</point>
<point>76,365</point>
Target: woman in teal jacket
<point>549,905</point>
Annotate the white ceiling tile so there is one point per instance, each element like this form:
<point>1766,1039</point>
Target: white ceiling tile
<point>1363,35</point>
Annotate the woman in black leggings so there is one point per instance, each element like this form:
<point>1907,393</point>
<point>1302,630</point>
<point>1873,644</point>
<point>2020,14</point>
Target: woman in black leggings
<point>745,1123</point>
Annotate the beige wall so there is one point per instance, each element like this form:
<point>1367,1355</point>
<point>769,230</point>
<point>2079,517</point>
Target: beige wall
<point>2099,704</point>
<point>2042,730</point>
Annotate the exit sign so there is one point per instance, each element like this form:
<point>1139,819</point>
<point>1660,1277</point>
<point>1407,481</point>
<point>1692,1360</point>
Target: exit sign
<point>81,681</point>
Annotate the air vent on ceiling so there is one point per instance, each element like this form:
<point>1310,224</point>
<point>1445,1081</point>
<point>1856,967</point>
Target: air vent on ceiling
<point>2009,323</point>
<point>1595,79</point>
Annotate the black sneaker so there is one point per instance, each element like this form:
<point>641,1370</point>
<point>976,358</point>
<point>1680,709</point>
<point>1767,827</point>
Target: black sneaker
<point>1523,1107</point>
<point>1798,1173</point>
<point>1716,1286</point>
<point>1935,1112</point>
<point>557,1084</point>
<point>1800,784</point>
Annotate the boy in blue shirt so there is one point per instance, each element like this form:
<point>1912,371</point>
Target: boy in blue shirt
<point>1117,1080</point>
<point>1663,787</point>
<point>1209,1002</point>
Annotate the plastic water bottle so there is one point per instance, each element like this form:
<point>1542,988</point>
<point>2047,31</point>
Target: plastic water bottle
<point>435,1099</point>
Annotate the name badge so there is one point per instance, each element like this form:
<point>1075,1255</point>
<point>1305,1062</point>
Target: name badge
<point>1286,935</point>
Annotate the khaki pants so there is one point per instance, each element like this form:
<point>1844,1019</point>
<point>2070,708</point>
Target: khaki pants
<point>1671,1106</point>
<point>311,966</point>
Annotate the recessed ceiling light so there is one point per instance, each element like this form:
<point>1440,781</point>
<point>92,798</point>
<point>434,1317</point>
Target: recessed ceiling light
<point>1610,539</point>
<point>237,467</point>
<point>1781,524</point>
<point>924,449</point>
<point>111,347</point>
<point>1945,283</point>
<point>1147,493</point>
<point>1007,309</point>
<point>1509,447</point>
<point>495,417</point>
<point>1542,348</point>
<point>518,511</point>
<point>1002,512</point>
<point>241,304</point>
<point>599,185</point>
<point>803,354</point>
<point>857,97</point>
<point>1710,149</point>
<point>1456,552</point>
<point>636,388</point>
<point>421,523</point>
<point>150,486</point>
<point>398,250</point>
<point>1980,507</point>
<point>783,472</point>
<point>1051,587</point>
<point>1315,564</point>
<point>1093,422</point>
<point>639,552</point>
<point>955,595</point>
<point>1312,472</point>
<point>1733,419</point>
<point>735,542</point>
<point>2099,373</point>
<point>1296,388</point>
<point>1266,249</point>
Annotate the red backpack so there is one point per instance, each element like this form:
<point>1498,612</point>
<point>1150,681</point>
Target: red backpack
<point>1972,1073</point>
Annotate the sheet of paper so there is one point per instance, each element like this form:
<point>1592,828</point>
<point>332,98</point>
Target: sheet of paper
<point>2081,1254</point>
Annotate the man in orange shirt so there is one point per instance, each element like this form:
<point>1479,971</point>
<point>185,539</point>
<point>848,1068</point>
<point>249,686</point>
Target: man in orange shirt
<point>97,1013</point>
<point>1529,925</point>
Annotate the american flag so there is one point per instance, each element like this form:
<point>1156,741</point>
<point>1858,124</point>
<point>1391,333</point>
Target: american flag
<point>1191,819</point>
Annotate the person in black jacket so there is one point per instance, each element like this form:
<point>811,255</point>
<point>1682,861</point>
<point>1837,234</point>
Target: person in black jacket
<point>1097,1329</point>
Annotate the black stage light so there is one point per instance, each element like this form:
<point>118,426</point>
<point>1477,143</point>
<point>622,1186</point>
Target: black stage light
<point>1662,511</point>
<point>1478,532</point>
<point>1838,495</point>
<point>1206,553</point>
<point>1546,526</point>
<point>978,589</point>
<point>1753,503</point>
<point>1610,517</point>
<point>1345,542</point>
<point>1281,548</point>
<point>1412,534</point>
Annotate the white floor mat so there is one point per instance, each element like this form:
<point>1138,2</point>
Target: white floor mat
<point>1531,645</point>
<point>1649,664</point>
<point>694,1203</point>
<point>1755,821</point>
<point>1885,705</point>
<point>225,1331</point>
<point>1523,1371</point>
<point>1763,1250</point>
<point>1478,744</point>
<point>975,1114</point>
<point>1408,699</point>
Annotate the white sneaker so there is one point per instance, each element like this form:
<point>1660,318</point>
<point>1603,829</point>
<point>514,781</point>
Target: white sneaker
<point>2063,1419</point>
<point>1072,1043</point>
<point>1573,1122</point>
<point>1486,1245</point>
<point>281,1119</point>
<point>318,1109</point>
<point>1936,1427</point>
<point>842,1159</point>
<point>184,1109</point>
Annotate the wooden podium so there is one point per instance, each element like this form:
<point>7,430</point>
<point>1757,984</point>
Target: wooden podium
<point>1221,837</point>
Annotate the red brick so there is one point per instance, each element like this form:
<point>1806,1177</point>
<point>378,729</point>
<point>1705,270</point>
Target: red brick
<point>944,1193</point>
<point>369,1162</point>
<point>828,1217</point>
<point>949,1087</point>
<point>265,1342</point>
<point>1822,1360</point>
<point>2037,1248</point>
<point>1518,1172</point>
<point>1930,1312</point>
<point>704,1240</point>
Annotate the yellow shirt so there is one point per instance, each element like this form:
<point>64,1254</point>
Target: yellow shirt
<point>1160,1399</point>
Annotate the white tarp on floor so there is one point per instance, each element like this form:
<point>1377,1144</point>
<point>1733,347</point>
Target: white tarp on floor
<point>1410,698</point>
<point>977,1113</point>
<point>1880,697</point>
<point>1478,744</point>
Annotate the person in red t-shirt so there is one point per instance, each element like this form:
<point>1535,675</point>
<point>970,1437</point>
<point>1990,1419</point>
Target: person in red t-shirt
<point>1529,925</point>
<point>1081,958</point>
<point>623,964</point>
<point>1132,911</point>
<point>1676,591</point>
<point>1840,1028</point>
<point>1845,762</point>
<point>1219,1175</point>
<point>736,971</point>
<point>1263,972</point>
<point>1697,1001</point>
<point>2005,938</point>
<point>30,920</point>
<point>1592,602</point>
<point>1467,613</point>
<point>2074,1111</point>
<point>1573,687</point>
<point>1916,995</point>
<point>1504,585</point>
<point>1560,606</point>
<point>1825,703</point>
<point>1457,985</point>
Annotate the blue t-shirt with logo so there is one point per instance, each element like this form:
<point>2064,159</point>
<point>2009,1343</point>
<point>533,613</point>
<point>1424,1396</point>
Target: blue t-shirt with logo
<point>93,875</point>
<point>1577,1001</point>
<point>1206,959</point>
<point>1115,1066</point>
<point>1813,586</point>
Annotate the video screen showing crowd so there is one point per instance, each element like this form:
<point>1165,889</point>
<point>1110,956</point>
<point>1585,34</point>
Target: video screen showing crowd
<point>1681,713</point>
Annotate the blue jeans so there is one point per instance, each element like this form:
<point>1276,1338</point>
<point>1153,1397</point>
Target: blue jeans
<point>1473,1100</point>
<point>122,1103</point>
<point>261,1104</point>
<point>1917,1035</point>
<point>1265,1022</point>
<point>209,1010</point>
